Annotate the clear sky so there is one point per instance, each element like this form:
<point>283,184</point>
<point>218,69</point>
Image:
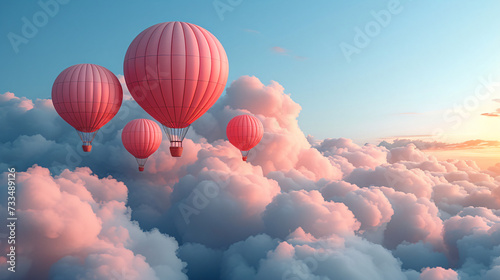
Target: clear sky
<point>416,66</point>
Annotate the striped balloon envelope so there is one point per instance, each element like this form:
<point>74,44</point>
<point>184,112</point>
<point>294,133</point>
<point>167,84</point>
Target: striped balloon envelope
<point>87,96</point>
<point>244,132</point>
<point>141,138</point>
<point>175,71</point>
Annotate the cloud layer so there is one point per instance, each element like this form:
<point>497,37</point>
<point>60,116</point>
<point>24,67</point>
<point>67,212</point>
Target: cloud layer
<point>300,208</point>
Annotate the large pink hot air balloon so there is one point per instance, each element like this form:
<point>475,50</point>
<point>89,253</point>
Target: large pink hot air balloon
<point>141,138</point>
<point>175,71</point>
<point>87,96</point>
<point>244,132</point>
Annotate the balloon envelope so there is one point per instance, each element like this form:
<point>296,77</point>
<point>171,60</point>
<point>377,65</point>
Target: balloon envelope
<point>141,138</point>
<point>244,132</point>
<point>87,96</point>
<point>175,71</point>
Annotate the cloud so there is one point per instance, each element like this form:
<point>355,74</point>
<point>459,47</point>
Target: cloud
<point>23,103</point>
<point>370,206</point>
<point>490,114</point>
<point>396,176</point>
<point>299,207</point>
<point>368,156</point>
<point>472,240</point>
<point>224,187</point>
<point>308,210</point>
<point>77,222</point>
<point>283,146</point>
<point>420,255</point>
<point>438,273</point>
<point>202,261</point>
<point>279,50</point>
<point>474,144</point>
<point>286,52</point>
<point>427,145</point>
<point>126,92</point>
<point>494,114</point>
<point>301,256</point>
<point>415,219</point>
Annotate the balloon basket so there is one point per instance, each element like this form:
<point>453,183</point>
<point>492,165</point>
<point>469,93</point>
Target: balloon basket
<point>87,148</point>
<point>244,155</point>
<point>141,168</point>
<point>176,151</point>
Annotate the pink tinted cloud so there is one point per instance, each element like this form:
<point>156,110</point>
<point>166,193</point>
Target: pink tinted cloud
<point>415,219</point>
<point>76,218</point>
<point>435,145</point>
<point>24,103</point>
<point>368,155</point>
<point>309,211</point>
<point>219,184</point>
<point>494,114</point>
<point>370,207</point>
<point>284,146</point>
<point>456,228</point>
<point>294,200</point>
<point>279,50</point>
<point>490,114</point>
<point>438,273</point>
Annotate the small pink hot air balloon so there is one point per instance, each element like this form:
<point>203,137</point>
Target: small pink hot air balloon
<point>244,132</point>
<point>175,71</point>
<point>87,96</point>
<point>141,138</point>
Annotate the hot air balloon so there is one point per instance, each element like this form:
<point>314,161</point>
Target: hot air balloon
<point>244,132</point>
<point>141,138</point>
<point>175,71</point>
<point>87,96</point>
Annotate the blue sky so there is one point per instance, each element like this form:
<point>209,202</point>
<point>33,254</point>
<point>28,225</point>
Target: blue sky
<point>427,59</point>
